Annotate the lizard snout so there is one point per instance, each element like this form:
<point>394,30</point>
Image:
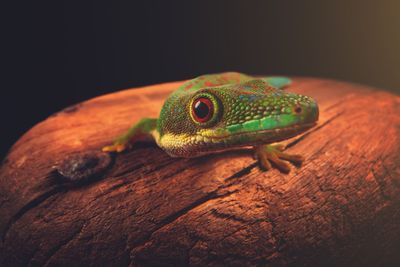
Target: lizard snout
<point>306,109</point>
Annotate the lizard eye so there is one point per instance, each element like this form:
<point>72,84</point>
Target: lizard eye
<point>202,109</point>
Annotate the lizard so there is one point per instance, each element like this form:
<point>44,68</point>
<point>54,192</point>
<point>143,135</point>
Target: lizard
<point>218,112</point>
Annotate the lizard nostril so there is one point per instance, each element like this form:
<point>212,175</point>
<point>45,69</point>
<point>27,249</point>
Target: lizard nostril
<point>298,110</point>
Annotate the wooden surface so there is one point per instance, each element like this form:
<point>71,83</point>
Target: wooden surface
<point>342,207</point>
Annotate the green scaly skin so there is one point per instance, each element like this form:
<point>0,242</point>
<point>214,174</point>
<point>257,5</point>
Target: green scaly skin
<point>248,111</point>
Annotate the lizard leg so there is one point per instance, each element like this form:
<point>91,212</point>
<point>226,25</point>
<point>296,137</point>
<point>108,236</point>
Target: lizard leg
<point>278,81</point>
<point>269,155</point>
<point>138,132</point>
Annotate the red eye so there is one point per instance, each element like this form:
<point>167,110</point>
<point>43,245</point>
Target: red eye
<point>202,109</point>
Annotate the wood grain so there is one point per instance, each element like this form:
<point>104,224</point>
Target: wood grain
<point>342,207</point>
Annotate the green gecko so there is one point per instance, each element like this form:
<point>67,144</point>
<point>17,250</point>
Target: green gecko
<point>218,112</point>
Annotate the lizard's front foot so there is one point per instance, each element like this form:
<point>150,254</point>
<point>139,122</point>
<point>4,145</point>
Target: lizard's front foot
<point>139,131</point>
<point>269,155</point>
<point>116,147</point>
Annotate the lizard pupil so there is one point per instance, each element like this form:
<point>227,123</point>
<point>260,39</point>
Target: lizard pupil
<point>202,109</point>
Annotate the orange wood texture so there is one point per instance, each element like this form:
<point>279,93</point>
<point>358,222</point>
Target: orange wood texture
<point>341,207</point>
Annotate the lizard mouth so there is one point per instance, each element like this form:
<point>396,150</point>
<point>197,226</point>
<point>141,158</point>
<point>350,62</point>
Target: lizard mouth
<point>203,144</point>
<point>216,143</point>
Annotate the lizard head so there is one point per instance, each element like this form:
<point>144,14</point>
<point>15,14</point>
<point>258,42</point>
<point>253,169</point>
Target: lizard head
<point>210,119</point>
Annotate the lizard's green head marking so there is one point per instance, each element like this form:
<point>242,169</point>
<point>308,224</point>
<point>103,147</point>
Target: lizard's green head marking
<point>204,120</point>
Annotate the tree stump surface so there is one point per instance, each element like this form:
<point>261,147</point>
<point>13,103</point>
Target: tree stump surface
<point>144,208</point>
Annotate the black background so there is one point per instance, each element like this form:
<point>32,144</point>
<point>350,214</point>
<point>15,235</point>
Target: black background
<point>57,53</point>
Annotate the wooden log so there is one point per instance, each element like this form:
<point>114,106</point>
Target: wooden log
<point>143,208</point>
